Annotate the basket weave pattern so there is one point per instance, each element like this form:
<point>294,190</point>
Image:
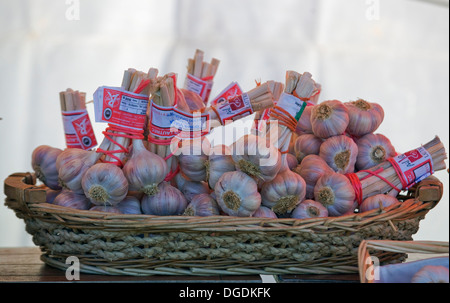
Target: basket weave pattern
<point>109,243</point>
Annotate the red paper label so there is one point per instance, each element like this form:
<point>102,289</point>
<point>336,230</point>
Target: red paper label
<point>78,130</point>
<point>84,132</point>
<point>262,122</point>
<point>169,122</point>
<point>231,91</point>
<point>202,87</point>
<point>293,105</point>
<point>413,166</point>
<point>236,108</point>
<point>122,108</point>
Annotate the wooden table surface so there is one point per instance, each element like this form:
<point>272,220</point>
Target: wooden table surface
<point>24,265</point>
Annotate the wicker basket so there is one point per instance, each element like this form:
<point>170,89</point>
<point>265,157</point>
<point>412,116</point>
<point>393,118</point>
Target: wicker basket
<point>113,244</point>
<point>401,272</point>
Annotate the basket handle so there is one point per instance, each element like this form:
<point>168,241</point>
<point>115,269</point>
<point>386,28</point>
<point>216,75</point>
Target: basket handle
<point>429,190</point>
<point>22,188</point>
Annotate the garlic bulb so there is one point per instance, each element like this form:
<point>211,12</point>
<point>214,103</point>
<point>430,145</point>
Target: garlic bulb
<point>193,100</point>
<point>73,165</point>
<point>364,117</point>
<point>51,194</point>
<point>431,274</point>
<point>144,170</point>
<point>307,144</point>
<point>311,169</point>
<point>167,201</point>
<point>43,162</point>
<point>192,188</point>
<point>67,155</point>
<point>256,157</point>
<point>237,194</point>
<point>219,162</point>
<point>130,205</point>
<point>202,205</point>
<point>106,209</point>
<point>283,193</point>
<point>291,149</point>
<point>336,193</point>
<point>68,198</point>
<point>264,212</point>
<point>329,118</point>
<point>340,153</point>
<point>193,159</point>
<point>309,209</point>
<point>104,184</point>
<point>181,101</point>
<point>178,181</point>
<point>377,201</point>
<point>291,160</point>
<point>373,149</point>
<point>304,123</point>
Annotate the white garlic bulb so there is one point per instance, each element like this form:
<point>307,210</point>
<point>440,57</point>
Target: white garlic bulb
<point>304,123</point>
<point>43,162</point>
<point>73,164</point>
<point>104,184</point>
<point>68,198</point>
<point>329,118</point>
<point>67,155</point>
<point>178,181</point>
<point>192,188</point>
<point>336,193</point>
<point>237,194</point>
<point>291,148</point>
<point>340,153</point>
<point>193,159</point>
<point>256,157</point>
<point>431,274</point>
<point>181,101</point>
<point>291,160</point>
<point>264,212</point>
<point>311,169</point>
<point>377,201</point>
<point>202,205</point>
<point>309,209</point>
<point>283,193</point>
<point>167,201</point>
<point>51,194</point>
<point>130,205</point>
<point>193,100</point>
<point>364,117</point>
<point>219,162</point>
<point>373,149</point>
<point>307,144</point>
<point>144,170</point>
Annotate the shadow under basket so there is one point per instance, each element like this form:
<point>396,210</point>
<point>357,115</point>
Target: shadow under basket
<point>115,244</point>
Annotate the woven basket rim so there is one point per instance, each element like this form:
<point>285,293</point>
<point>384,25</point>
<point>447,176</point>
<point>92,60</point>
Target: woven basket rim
<point>45,211</point>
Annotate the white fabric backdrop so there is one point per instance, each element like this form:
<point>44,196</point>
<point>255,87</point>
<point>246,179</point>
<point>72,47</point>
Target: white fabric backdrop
<point>391,52</point>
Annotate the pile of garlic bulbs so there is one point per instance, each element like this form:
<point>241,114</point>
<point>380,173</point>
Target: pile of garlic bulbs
<point>246,178</point>
<point>337,138</point>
